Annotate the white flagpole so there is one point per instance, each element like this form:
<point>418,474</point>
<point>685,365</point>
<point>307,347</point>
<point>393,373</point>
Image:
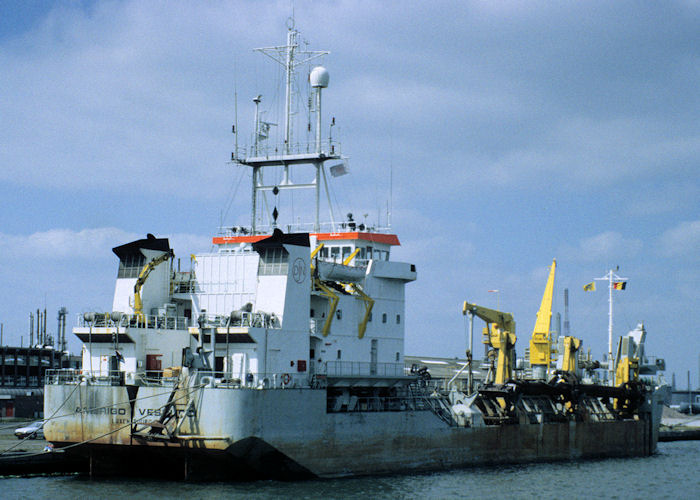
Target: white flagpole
<point>611,364</point>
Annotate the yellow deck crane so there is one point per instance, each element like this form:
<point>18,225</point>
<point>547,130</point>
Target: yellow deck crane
<point>571,347</point>
<point>143,276</point>
<point>500,327</point>
<point>626,369</point>
<point>540,343</point>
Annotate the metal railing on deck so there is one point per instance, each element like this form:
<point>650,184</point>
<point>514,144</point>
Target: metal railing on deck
<point>271,380</point>
<point>342,404</point>
<point>162,322</point>
<point>72,376</point>
<point>363,368</point>
<point>273,150</point>
<point>242,319</point>
<point>157,378</point>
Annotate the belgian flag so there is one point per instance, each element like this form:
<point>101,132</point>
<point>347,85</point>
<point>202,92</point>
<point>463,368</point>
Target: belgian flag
<point>619,285</point>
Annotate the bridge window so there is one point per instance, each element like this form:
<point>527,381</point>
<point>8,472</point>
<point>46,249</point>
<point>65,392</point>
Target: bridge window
<point>335,253</point>
<point>131,265</point>
<point>398,319</point>
<point>273,261</point>
<point>383,317</point>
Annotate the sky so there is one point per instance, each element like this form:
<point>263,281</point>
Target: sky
<point>493,136</point>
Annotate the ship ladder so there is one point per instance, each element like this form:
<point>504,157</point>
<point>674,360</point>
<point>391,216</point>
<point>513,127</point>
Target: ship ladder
<point>435,402</point>
<point>183,413</point>
<point>441,408</point>
<point>159,430</point>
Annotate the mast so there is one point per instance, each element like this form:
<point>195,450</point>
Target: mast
<point>289,155</point>
<point>289,67</point>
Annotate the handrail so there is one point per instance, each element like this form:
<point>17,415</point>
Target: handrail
<point>213,379</point>
<point>273,150</point>
<point>160,321</point>
<point>363,368</point>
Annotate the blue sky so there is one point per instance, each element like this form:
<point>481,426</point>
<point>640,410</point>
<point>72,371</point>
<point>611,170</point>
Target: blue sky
<point>515,132</point>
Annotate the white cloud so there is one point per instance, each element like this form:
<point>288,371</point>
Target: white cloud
<point>88,244</point>
<point>186,244</point>
<point>604,247</point>
<point>684,239</point>
<point>63,243</point>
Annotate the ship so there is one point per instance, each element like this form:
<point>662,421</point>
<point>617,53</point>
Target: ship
<point>280,353</point>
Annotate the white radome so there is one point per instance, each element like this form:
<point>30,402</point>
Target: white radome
<point>319,77</point>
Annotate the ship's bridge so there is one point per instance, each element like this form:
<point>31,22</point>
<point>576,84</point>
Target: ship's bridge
<point>338,246</point>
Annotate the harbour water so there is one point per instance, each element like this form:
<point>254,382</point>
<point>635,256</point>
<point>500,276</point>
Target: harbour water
<point>671,473</point>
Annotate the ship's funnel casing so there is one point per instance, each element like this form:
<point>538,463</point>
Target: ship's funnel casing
<point>283,279</point>
<point>132,259</point>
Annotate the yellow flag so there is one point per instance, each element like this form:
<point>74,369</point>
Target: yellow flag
<point>590,287</point>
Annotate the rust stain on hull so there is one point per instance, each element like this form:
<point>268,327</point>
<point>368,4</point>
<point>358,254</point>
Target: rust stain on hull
<point>289,434</point>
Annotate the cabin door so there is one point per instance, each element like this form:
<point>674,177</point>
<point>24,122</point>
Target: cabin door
<point>314,355</point>
<point>373,358</point>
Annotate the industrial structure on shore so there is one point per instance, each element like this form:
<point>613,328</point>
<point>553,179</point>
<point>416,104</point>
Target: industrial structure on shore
<point>23,368</point>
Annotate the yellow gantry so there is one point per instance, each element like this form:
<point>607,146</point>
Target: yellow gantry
<point>333,297</point>
<point>368,303</point>
<point>316,250</point>
<point>348,260</point>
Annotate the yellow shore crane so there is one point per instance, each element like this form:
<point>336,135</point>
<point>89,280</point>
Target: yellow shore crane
<point>500,327</point>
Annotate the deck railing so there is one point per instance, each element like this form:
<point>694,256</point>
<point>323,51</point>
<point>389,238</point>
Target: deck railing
<point>274,150</point>
<point>151,321</point>
<point>361,369</point>
<point>74,376</point>
<point>203,378</point>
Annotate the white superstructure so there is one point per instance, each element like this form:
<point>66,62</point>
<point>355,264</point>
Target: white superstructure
<point>288,315</point>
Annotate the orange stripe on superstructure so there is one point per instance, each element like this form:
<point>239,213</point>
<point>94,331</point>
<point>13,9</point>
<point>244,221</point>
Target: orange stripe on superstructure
<point>387,239</point>
<point>223,240</point>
